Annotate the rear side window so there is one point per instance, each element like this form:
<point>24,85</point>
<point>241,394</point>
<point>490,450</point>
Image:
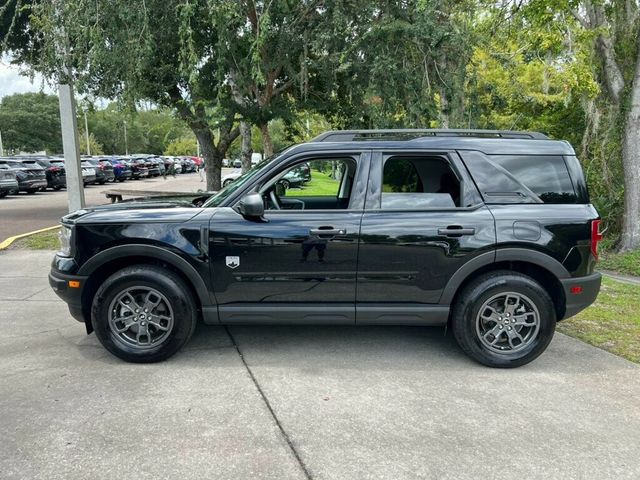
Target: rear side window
<point>411,183</point>
<point>546,176</point>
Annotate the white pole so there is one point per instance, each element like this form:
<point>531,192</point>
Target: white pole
<point>71,147</point>
<point>126,145</point>
<point>86,132</point>
<point>1,147</point>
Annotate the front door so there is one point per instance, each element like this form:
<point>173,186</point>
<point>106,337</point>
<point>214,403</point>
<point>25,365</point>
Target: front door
<point>299,263</point>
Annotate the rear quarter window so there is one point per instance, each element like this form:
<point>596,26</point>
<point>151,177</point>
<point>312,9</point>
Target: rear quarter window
<point>546,176</point>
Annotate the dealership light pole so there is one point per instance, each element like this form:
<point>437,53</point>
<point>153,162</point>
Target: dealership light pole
<point>70,145</point>
<point>126,145</point>
<point>1,147</point>
<point>86,131</point>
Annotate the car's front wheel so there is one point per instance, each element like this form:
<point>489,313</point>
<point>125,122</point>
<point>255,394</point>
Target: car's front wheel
<point>504,319</point>
<point>143,313</point>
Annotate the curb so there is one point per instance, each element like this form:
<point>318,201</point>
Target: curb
<point>7,243</point>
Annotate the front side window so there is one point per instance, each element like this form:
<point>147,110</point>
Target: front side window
<point>413,183</point>
<point>312,185</point>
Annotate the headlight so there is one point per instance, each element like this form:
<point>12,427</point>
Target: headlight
<point>65,241</point>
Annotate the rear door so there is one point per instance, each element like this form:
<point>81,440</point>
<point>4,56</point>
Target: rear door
<point>423,220</point>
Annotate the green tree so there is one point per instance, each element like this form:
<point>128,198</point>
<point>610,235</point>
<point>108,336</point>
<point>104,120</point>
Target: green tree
<point>30,122</point>
<point>95,147</point>
<point>182,146</point>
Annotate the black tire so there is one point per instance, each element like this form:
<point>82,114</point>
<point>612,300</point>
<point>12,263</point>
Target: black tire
<point>57,188</point>
<point>285,183</point>
<point>227,182</point>
<point>466,315</point>
<point>31,191</point>
<point>167,283</point>
<point>4,193</point>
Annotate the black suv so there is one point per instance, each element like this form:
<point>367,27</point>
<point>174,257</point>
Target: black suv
<point>490,232</point>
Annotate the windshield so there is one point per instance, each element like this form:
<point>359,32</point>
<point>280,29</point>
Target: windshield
<point>219,197</point>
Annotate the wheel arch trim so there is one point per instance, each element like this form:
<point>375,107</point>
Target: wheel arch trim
<point>501,255</point>
<point>156,253</point>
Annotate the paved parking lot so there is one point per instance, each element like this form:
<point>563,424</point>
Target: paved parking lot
<point>299,402</point>
<point>25,213</point>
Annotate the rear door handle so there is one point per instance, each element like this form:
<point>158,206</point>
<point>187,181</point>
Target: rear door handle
<point>327,232</point>
<point>456,231</point>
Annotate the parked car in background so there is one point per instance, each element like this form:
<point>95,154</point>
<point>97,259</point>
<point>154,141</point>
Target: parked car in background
<point>172,163</point>
<point>8,180</point>
<point>103,168</point>
<point>121,170</point>
<point>31,176</point>
<point>138,168</point>
<point>55,172</point>
<point>237,163</point>
<point>152,167</point>
<point>88,172</point>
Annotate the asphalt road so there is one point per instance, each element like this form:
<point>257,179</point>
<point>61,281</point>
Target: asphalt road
<point>25,213</point>
<point>299,403</point>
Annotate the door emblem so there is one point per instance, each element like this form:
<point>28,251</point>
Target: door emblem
<point>233,262</point>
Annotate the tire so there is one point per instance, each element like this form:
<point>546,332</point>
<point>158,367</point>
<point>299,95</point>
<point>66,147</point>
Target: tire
<point>31,191</point>
<point>57,188</point>
<point>491,338</point>
<point>176,303</point>
<point>4,193</point>
<point>285,184</point>
<point>227,183</point>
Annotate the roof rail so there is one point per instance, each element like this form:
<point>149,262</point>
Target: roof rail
<point>414,133</point>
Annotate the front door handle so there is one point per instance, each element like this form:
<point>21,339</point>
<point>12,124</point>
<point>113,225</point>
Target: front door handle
<point>327,232</point>
<point>456,231</point>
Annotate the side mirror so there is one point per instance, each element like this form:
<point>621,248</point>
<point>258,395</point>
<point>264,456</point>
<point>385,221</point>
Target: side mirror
<point>281,189</point>
<point>251,206</point>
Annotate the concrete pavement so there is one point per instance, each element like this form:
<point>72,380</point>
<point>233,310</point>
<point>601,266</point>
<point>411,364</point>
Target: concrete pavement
<point>299,402</point>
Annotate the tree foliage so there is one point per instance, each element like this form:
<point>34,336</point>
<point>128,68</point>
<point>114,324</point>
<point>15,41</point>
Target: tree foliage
<point>30,122</point>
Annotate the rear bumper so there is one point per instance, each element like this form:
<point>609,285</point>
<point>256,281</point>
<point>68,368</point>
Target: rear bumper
<point>59,282</point>
<point>33,184</point>
<point>580,292</point>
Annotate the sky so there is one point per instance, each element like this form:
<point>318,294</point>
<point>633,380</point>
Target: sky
<point>12,82</point>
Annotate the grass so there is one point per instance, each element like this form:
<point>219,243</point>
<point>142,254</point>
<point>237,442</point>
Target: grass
<point>612,322</point>
<point>39,241</point>
<point>319,185</point>
<point>628,262</point>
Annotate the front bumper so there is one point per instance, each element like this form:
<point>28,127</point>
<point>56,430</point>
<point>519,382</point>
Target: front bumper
<point>580,292</point>
<point>61,284</point>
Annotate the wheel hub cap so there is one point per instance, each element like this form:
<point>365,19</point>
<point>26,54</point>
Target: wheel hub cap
<point>507,322</point>
<point>140,317</point>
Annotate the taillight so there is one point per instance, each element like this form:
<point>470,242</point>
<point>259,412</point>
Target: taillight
<point>596,236</point>
<point>54,169</point>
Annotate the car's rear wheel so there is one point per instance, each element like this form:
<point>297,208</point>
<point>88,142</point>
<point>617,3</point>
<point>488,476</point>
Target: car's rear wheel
<point>504,319</point>
<point>31,191</point>
<point>227,182</point>
<point>143,314</point>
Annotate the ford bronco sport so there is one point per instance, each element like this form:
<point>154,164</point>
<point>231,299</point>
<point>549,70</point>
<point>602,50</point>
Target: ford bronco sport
<point>489,232</point>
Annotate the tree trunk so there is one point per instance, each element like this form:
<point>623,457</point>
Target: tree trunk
<point>630,239</point>
<point>444,108</point>
<point>212,158</point>
<point>613,80</point>
<point>245,133</point>
<point>267,146</point>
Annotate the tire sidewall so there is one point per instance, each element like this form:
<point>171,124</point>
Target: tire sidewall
<point>480,292</point>
<point>165,282</point>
